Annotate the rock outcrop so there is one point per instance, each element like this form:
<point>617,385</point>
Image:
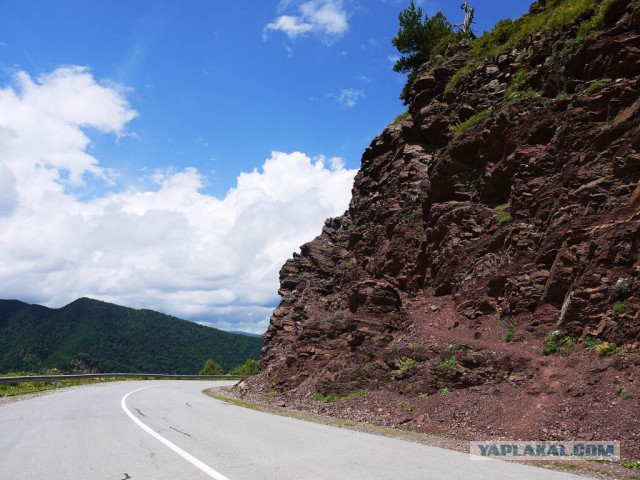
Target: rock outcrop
<point>499,220</point>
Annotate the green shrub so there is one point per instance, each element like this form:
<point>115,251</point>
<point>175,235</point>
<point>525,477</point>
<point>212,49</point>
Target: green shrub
<point>416,347</point>
<point>502,216</point>
<point>622,288</point>
<point>619,308</point>
<point>404,364</point>
<point>557,341</point>
<point>461,127</point>
<point>591,342</point>
<point>444,391</point>
<point>449,363</point>
<point>454,347</point>
<point>423,395</point>
<point>508,336</point>
<point>606,348</point>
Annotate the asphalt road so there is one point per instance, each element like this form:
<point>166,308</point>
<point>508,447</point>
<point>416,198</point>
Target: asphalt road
<point>170,430</point>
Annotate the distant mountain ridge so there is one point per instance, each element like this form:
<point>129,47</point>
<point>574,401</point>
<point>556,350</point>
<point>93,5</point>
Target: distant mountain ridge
<point>91,335</point>
<point>245,333</point>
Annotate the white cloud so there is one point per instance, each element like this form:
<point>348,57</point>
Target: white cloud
<point>325,18</point>
<point>172,248</point>
<point>348,97</point>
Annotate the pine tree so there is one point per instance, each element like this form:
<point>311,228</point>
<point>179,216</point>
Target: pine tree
<point>415,40</point>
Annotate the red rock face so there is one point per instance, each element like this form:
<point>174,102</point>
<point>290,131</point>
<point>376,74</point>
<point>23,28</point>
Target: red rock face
<point>461,252</point>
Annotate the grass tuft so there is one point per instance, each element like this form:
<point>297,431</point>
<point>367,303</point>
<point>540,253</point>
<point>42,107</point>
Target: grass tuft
<point>502,216</point>
<point>461,127</point>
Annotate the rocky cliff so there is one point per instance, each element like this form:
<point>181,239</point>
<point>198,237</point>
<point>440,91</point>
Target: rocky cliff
<point>485,279</point>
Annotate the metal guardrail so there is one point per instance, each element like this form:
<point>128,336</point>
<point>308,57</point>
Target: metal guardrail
<point>85,376</point>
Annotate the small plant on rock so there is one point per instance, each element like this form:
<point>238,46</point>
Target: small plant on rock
<point>622,393</point>
<point>502,216</point>
<point>511,326</point>
<point>404,364</point>
<point>461,127</point>
<point>591,342</point>
<point>606,348</point>
<point>449,363</point>
<point>619,308</point>
<point>622,288</point>
<point>557,341</point>
<point>444,391</point>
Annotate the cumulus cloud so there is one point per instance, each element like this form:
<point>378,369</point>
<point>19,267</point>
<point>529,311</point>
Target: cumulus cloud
<point>325,18</point>
<point>348,97</point>
<point>172,248</point>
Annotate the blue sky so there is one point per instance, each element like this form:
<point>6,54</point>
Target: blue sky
<point>171,110</point>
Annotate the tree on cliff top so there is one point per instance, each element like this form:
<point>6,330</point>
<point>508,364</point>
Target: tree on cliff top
<point>415,40</point>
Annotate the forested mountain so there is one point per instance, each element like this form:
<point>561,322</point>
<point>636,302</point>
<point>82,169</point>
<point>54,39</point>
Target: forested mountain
<point>98,336</point>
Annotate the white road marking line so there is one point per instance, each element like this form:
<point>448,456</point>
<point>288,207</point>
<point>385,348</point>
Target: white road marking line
<point>187,456</point>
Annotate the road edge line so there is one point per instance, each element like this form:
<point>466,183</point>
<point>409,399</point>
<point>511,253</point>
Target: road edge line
<point>187,456</point>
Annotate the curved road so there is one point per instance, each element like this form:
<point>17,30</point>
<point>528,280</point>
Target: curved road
<point>170,430</point>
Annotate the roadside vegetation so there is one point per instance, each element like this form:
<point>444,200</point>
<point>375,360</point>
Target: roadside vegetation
<point>330,398</point>
<point>26,388</point>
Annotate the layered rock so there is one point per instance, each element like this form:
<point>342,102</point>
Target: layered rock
<point>496,213</point>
